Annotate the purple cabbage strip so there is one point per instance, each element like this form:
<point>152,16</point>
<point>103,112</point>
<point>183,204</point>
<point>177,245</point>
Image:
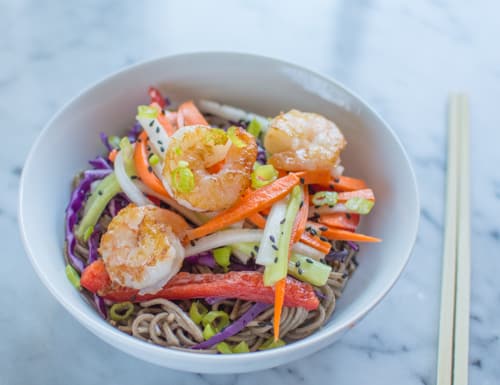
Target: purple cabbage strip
<point>76,202</point>
<point>353,245</point>
<point>105,141</point>
<point>100,163</point>
<point>235,327</point>
<point>117,203</point>
<point>134,132</point>
<point>236,266</point>
<point>93,244</point>
<point>319,294</point>
<point>167,102</point>
<point>261,155</point>
<point>101,306</point>
<point>335,255</point>
<point>206,259</point>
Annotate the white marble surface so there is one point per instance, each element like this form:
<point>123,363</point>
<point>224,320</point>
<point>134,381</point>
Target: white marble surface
<point>403,57</point>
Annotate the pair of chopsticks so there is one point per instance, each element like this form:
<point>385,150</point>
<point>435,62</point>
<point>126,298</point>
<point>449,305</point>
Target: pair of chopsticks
<point>453,350</point>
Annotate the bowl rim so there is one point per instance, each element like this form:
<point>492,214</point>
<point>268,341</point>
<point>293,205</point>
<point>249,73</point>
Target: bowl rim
<point>123,339</point>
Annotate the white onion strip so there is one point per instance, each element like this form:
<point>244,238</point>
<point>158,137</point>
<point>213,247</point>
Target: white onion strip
<point>158,138</point>
<point>307,251</point>
<point>269,244</point>
<point>231,113</point>
<point>127,185</point>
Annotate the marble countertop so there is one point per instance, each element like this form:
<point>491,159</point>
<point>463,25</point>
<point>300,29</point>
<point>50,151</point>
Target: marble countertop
<point>402,57</point>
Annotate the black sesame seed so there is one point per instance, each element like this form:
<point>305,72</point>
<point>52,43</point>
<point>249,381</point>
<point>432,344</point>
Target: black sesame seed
<point>162,149</point>
<point>99,192</point>
<point>336,180</point>
<point>313,232</point>
<point>274,247</point>
<point>301,204</point>
<point>348,216</point>
<point>192,243</point>
<point>322,260</point>
<point>139,140</point>
<point>297,264</point>
<point>256,248</point>
<point>271,237</point>
<point>355,261</point>
<point>324,239</point>
<point>252,254</point>
<point>151,123</point>
<point>276,260</point>
<point>157,130</point>
<point>309,260</point>
<point>323,228</point>
<point>300,271</point>
<point>159,142</point>
<point>330,206</point>
<point>332,186</point>
<point>148,147</point>
<point>150,169</point>
<point>282,221</point>
<point>302,180</point>
<point>345,275</point>
<point>133,177</point>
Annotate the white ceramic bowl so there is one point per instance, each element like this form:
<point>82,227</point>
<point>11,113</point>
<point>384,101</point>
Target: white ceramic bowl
<point>255,83</point>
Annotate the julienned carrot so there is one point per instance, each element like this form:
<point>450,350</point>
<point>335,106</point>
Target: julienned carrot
<point>344,221</point>
<point>366,193</point>
<point>112,155</point>
<point>316,243</point>
<point>245,285</point>
<point>190,115</point>
<point>165,123</point>
<point>345,235</point>
<point>143,168</point>
<point>249,204</point>
<point>300,222</point>
<point>258,220</point>
<point>279,299</point>
<point>346,183</point>
<point>322,177</point>
<point>324,247</point>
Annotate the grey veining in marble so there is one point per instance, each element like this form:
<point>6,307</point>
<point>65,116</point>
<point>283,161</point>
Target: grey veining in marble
<point>403,57</point>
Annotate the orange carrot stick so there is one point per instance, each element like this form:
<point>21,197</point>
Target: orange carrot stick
<point>190,115</point>
<point>345,183</point>
<point>315,242</point>
<point>112,155</point>
<point>300,222</point>
<point>143,168</point>
<point>344,235</point>
<point>340,220</point>
<point>322,177</point>
<point>258,220</point>
<point>279,299</point>
<point>249,204</point>
<point>366,193</point>
<point>325,179</point>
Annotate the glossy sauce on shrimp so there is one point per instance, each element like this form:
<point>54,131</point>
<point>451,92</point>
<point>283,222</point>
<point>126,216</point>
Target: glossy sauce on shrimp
<point>140,248</point>
<point>207,169</point>
<point>303,141</point>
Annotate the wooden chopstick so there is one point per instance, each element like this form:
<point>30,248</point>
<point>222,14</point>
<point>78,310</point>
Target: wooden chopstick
<point>462,292</point>
<point>455,286</point>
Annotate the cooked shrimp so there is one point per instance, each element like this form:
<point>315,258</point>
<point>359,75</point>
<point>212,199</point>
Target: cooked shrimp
<point>141,250</point>
<point>303,141</point>
<point>207,169</point>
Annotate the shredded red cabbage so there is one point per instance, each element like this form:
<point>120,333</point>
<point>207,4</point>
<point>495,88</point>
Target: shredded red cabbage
<point>206,259</point>
<point>93,244</point>
<point>76,202</point>
<point>335,255</point>
<point>214,300</point>
<point>134,132</point>
<point>353,245</point>
<point>235,327</point>
<point>100,163</point>
<point>100,306</point>
<point>105,141</point>
<point>261,154</point>
<point>117,203</point>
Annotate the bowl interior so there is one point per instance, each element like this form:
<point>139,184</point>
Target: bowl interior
<point>254,83</point>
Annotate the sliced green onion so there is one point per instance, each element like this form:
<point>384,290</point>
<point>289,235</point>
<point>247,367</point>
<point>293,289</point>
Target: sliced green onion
<point>263,175</point>
<point>216,136</point>
<point>147,112</point>
<point>127,151</point>
<point>96,204</point>
<point>242,347</point>
<point>224,348</point>
<point>325,198</point>
<point>154,160</point>
<point>114,141</point>
<point>121,311</point>
<point>359,205</point>
<point>278,270</point>
<point>221,256</point>
<point>217,318</point>
<point>231,132</point>
<point>88,232</point>
<point>254,128</point>
<point>178,150</point>
<point>197,311</point>
<point>308,270</point>
<point>209,331</point>
<point>271,344</point>
<point>182,178</point>
<point>73,277</point>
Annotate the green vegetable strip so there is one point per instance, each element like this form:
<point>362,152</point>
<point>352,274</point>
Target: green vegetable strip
<point>308,270</point>
<point>128,156</point>
<point>271,344</point>
<point>224,348</point>
<point>73,276</point>
<point>277,270</point>
<point>359,205</point>
<point>222,256</point>
<point>121,311</point>
<point>242,347</point>
<point>254,128</point>
<point>197,311</point>
<point>104,192</point>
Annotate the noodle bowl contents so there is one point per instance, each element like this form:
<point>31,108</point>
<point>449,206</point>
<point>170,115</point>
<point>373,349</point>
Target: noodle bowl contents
<point>214,230</point>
